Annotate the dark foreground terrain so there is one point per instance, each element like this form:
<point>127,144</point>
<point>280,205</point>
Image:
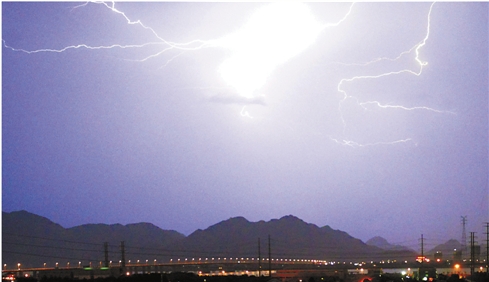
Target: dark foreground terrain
<point>175,277</point>
<point>190,277</point>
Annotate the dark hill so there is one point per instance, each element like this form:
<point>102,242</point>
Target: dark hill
<point>26,237</point>
<point>382,243</point>
<point>446,249</point>
<point>290,236</point>
<point>33,240</point>
<point>142,234</point>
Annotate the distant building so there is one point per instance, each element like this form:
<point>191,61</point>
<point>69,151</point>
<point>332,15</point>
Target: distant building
<point>426,273</point>
<point>476,250</point>
<point>438,256</point>
<point>457,255</point>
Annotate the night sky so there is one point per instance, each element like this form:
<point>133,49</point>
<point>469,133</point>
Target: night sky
<point>371,118</point>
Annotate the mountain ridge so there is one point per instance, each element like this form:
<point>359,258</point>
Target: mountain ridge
<point>382,243</point>
<point>289,237</point>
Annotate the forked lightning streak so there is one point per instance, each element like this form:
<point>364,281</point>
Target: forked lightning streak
<point>256,55</point>
<point>416,49</point>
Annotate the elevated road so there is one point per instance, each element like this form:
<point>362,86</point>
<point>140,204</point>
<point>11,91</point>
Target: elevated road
<point>279,268</point>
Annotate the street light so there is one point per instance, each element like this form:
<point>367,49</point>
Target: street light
<point>457,267</point>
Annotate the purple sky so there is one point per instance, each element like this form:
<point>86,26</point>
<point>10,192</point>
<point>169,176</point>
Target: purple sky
<point>115,136</point>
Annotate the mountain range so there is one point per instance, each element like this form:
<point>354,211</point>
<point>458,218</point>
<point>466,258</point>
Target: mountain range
<point>383,244</point>
<point>34,240</point>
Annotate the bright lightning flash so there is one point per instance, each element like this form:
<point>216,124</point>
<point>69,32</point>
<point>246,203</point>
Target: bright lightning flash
<point>273,35</point>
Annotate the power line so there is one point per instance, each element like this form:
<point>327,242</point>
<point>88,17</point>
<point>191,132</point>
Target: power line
<point>48,256</point>
<point>49,247</point>
<point>50,239</point>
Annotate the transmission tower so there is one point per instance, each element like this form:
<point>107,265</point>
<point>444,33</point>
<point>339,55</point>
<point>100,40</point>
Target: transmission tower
<point>464,235</point>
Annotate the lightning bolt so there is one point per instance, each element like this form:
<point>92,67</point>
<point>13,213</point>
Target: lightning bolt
<point>274,34</point>
<point>168,45</point>
<point>421,64</point>
<point>251,47</point>
<point>354,144</point>
<point>386,106</point>
<point>245,113</point>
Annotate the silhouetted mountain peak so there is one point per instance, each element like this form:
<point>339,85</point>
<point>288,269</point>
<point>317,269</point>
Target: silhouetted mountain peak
<point>382,243</point>
<point>25,215</point>
<point>24,220</point>
<point>143,225</point>
<point>238,220</point>
<point>290,218</point>
<point>290,236</point>
<point>233,222</point>
<point>452,242</point>
<point>447,247</point>
<point>378,242</point>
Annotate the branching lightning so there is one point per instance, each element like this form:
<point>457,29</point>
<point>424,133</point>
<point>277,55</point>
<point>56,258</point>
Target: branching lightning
<point>386,106</point>
<point>260,47</point>
<point>356,145</point>
<point>245,113</point>
<point>416,49</point>
<point>274,34</point>
<point>168,45</point>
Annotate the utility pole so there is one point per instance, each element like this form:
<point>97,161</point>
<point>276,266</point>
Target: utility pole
<point>487,249</point>
<point>472,255</point>
<point>422,249</point>
<point>106,254</point>
<point>259,258</point>
<point>269,258</point>
<point>123,257</point>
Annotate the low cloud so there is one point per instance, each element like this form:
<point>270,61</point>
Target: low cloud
<point>236,99</point>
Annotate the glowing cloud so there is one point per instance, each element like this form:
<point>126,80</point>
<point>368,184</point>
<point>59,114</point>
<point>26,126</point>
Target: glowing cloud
<point>273,35</point>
